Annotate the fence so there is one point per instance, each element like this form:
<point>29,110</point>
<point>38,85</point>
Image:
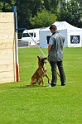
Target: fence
<point>8,72</point>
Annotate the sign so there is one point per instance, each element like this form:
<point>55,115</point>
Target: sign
<point>48,38</point>
<point>75,39</point>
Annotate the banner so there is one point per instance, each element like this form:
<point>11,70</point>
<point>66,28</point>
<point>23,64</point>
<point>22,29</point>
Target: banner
<point>75,39</point>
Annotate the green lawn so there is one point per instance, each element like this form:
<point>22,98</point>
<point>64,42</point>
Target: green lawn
<point>42,105</point>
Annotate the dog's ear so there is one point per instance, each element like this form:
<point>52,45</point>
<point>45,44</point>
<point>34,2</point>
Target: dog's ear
<point>45,58</point>
<point>38,57</point>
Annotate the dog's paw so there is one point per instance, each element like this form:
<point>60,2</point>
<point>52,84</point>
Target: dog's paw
<point>43,85</point>
<point>27,85</point>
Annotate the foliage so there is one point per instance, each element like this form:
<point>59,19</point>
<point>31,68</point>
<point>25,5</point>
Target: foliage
<point>30,10</point>
<point>51,5</point>
<point>34,9</point>
<point>43,19</point>
<point>79,1</point>
<point>26,10</point>
<point>41,105</point>
<point>71,12</point>
<point>6,5</point>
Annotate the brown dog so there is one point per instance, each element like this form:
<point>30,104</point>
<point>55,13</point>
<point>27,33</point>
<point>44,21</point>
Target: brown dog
<point>40,72</point>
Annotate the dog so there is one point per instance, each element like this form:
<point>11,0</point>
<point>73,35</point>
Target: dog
<point>37,77</point>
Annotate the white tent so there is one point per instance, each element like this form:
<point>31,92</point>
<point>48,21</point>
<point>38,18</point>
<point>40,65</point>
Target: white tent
<point>73,35</point>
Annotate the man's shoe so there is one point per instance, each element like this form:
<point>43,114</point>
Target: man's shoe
<point>51,86</point>
<point>63,84</point>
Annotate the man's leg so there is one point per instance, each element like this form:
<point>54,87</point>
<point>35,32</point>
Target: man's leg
<point>54,74</point>
<point>62,74</point>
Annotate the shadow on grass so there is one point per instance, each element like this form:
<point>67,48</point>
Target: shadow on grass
<point>35,86</point>
<point>21,86</point>
<point>27,87</point>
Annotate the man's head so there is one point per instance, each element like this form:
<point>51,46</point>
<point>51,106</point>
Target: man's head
<point>53,28</point>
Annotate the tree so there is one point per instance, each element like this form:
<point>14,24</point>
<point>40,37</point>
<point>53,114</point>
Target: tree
<point>71,12</point>
<point>25,9</point>
<point>28,9</point>
<point>6,5</point>
<point>51,5</point>
<point>79,1</point>
<point>43,19</point>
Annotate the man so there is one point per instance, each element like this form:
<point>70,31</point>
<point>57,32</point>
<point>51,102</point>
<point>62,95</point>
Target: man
<point>55,55</point>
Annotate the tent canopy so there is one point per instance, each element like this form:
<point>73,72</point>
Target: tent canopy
<point>68,31</point>
<point>64,25</point>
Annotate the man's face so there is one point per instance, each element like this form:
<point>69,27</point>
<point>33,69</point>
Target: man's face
<point>52,30</point>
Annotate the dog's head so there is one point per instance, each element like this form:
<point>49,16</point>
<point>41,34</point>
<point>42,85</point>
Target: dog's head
<point>41,61</point>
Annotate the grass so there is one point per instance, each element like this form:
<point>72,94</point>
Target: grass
<point>42,105</point>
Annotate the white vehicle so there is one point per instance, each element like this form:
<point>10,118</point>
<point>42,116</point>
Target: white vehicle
<point>30,37</point>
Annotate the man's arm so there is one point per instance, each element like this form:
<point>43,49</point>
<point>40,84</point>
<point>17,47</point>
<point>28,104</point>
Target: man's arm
<point>49,48</point>
<point>50,45</point>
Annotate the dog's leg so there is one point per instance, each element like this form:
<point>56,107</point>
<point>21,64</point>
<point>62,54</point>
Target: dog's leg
<point>33,81</point>
<point>42,82</point>
<point>47,78</point>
